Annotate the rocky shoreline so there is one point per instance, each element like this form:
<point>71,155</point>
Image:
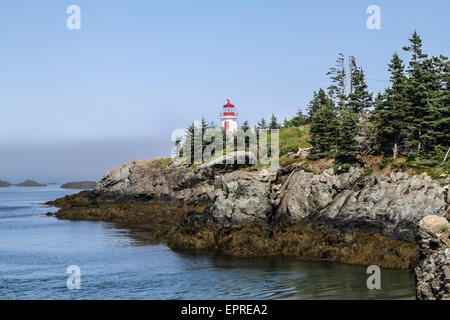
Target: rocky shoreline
<point>362,216</point>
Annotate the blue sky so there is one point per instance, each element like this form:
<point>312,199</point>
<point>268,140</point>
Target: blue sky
<point>139,69</point>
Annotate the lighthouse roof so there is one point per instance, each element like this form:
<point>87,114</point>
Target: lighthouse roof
<point>228,104</point>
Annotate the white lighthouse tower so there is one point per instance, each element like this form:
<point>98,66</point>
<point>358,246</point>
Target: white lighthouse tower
<point>229,118</point>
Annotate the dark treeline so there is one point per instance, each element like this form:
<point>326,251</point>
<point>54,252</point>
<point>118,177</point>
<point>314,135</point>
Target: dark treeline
<point>410,118</point>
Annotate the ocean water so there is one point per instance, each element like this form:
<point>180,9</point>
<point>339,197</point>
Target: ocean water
<point>121,263</point>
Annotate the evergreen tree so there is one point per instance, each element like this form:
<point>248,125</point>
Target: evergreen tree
<point>347,148</point>
<point>274,123</point>
<point>245,126</point>
<point>262,124</point>
<point>422,99</point>
<point>337,89</point>
<point>197,132</point>
<point>359,99</point>
<point>391,108</point>
<point>442,123</point>
<point>298,120</point>
<point>324,131</point>
<point>319,99</point>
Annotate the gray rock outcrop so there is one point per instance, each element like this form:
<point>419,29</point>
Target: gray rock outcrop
<point>353,201</point>
<point>156,180</point>
<point>242,198</point>
<point>433,268</point>
<point>391,205</point>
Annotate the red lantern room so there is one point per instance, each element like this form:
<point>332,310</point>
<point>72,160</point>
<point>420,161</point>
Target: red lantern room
<point>229,118</point>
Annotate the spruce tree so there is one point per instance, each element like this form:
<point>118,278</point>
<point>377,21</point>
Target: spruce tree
<point>298,120</point>
<point>261,124</point>
<point>391,109</point>
<point>319,99</point>
<point>197,132</point>
<point>360,99</point>
<point>324,131</point>
<point>347,148</point>
<point>245,126</point>
<point>274,123</point>
<point>337,89</point>
<point>442,123</point>
<point>418,90</point>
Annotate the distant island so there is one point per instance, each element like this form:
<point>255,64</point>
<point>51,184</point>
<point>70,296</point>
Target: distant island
<point>30,183</point>
<point>4,184</point>
<point>80,185</point>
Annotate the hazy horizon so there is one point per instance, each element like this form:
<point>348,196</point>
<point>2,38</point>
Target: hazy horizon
<point>76,103</point>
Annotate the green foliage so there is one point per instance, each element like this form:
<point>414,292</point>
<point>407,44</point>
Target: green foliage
<point>338,77</point>
<point>274,123</point>
<point>291,139</point>
<point>319,99</point>
<point>324,131</point>
<point>360,98</point>
<point>197,132</point>
<point>439,153</point>
<point>400,165</point>
<point>262,124</point>
<point>384,162</point>
<point>412,156</point>
<point>347,148</point>
<point>298,120</point>
<point>245,126</point>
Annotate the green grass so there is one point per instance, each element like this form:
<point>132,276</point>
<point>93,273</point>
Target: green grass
<point>164,162</point>
<point>255,167</point>
<point>291,139</point>
<point>433,172</point>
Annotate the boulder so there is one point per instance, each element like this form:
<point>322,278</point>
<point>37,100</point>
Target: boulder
<point>242,198</point>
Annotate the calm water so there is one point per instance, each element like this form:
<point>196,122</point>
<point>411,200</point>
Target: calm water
<point>116,263</point>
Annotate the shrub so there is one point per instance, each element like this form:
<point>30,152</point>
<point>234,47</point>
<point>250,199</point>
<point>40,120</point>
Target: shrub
<point>384,162</point>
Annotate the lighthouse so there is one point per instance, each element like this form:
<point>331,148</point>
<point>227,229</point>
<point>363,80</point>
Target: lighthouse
<point>229,118</point>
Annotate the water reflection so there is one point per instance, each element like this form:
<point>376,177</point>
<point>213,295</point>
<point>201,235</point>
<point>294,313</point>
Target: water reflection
<point>123,262</point>
<point>290,278</point>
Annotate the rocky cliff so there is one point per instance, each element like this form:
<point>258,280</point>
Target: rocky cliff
<point>160,181</point>
<point>361,216</point>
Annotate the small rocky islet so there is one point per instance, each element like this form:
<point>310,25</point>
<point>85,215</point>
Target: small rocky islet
<point>30,183</point>
<point>5,184</point>
<point>362,216</point>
